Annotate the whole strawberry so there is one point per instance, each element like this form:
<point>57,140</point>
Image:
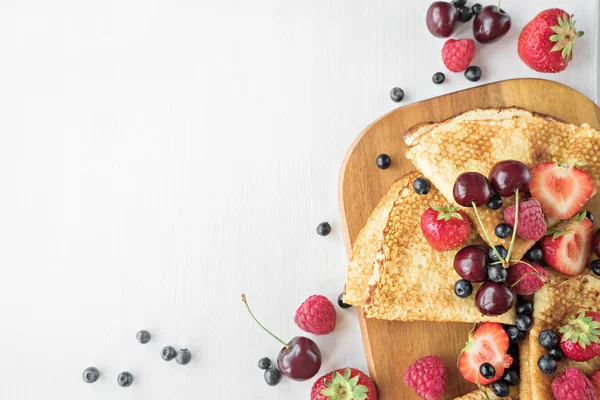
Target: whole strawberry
<point>546,42</point>
<point>458,54</point>
<point>573,385</point>
<point>532,224</point>
<point>316,315</point>
<point>595,378</point>
<point>344,384</point>
<point>579,336</point>
<point>526,277</point>
<point>445,228</point>
<point>428,377</point>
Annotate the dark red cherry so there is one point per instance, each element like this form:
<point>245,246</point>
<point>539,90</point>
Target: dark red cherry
<point>301,361</point>
<point>508,176</point>
<point>494,298</point>
<point>491,24</point>
<point>470,263</point>
<point>442,19</point>
<point>596,243</point>
<point>472,187</point>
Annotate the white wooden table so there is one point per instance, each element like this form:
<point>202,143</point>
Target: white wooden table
<point>160,157</point>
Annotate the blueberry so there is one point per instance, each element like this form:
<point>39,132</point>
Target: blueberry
<point>503,230</point>
<point>595,265</point>
<point>397,94</point>
<point>183,357</point>
<point>497,273</point>
<point>589,216</point>
<point>476,9</point>
<point>556,353</point>
<point>524,307</point>
<point>500,249</point>
<point>547,365</point>
<point>495,202</point>
<point>534,254</point>
<point>548,339</point>
<point>324,229</point>
<point>487,370</point>
<point>272,376</point>
<point>168,353</point>
<point>511,377</point>
<point>473,73</point>
<point>125,379</point>
<point>465,14</point>
<point>341,302</point>
<point>463,288</point>
<point>501,388</point>
<point>514,334</point>
<point>523,322</point>
<point>264,363</point>
<point>438,78</point>
<point>90,374</point>
<point>422,186</point>
<point>383,161</point>
<point>513,351</point>
<point>143,336</point>
<point>459,3</point>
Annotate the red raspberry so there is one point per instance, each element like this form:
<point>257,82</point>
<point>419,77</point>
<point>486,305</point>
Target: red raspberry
<point>532,224</point>
<point>573,385</point>
<point>458,54</point>
<point>316,315</point>
<point>595,378</point>
<point>428,377</point>
<point>525,280</point>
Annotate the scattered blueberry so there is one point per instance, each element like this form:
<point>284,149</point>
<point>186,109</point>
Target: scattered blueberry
<point>487,370</point>
<point>473,73</point>
<point>422,186</point>
<point>397,94</point>
<point>90,374</point>
<point>523,322</point>
<point>383,161</point>
<point>324,229</point>
<point>547,365</point>
<point>511,377</point>
<point>595,265</point>
<point>556,353</point>
<point>459,3</point>
<point>497,273</point>
<point>495,202</point>
<point>168,353</point>
<point>500,388</point>
<point>272,376</point>
<point>143,336</point>
<point>465,14</point>
<point>476,9</point>
<point>534,254</point>
<point>503,230</point>
<point>125,379</point>
<point>514,334</point>
<point>264,363</point>
<point>438,78</point>
<point>500,249</point>
<point>341,302</point>
<point>524,307</point>
<point>463,288</point>
<point>183,357</point>
<point>548,339</point>
<point>589,216</point>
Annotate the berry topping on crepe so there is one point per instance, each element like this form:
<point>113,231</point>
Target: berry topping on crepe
<point>568,245</point>
<point>445,228</point>
<point>579,336</point>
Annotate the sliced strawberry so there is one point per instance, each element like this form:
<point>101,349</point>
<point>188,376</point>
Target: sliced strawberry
<point>561,188</point>
<point>487,343</point>
<point>568,246</point>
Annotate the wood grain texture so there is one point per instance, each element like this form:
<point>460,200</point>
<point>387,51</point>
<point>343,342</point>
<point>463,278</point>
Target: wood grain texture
<point>392,346</point>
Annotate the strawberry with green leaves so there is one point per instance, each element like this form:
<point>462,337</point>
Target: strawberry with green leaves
<point>344,384</point>
<point>445,228</point>
<point>579,336</point>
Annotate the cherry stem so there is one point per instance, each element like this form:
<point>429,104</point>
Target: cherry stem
<point>487,237</point>
<point>525,276</point>
<point>514,234</point>
<point>498,7</point>
<point>261,325</point>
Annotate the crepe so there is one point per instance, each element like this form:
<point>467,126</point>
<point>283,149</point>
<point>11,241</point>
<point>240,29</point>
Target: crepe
<point>488,394</point>
<point>476,140</point>
<point>553,303</point>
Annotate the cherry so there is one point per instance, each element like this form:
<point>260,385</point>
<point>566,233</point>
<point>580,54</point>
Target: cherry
<point>299,359</point>
<point>472,187</point>
<point>508,176</point>
<point>494,298</point>
<point>470,263</point>
<point>596,243</point>
<point>442,19</point>
<point>491,24</point>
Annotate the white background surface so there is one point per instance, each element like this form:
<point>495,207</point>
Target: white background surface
<point>159,158</point>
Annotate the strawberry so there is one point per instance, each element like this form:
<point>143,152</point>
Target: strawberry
<point>579,336</point>
<point>487,343</point>
<point>526,277</point>
<point>458,54</point>
<point>445,227</point>
<point>595,378</point>
<point>568,245</point>
<point>546,42</point>
<point>561,188</point>
<point>344,384</point>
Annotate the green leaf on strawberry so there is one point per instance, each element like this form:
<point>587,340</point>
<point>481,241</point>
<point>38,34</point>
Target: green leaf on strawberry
<point>582,330</point>
<point>447,212</point>
<point>565,35</point>
<point>344,387</point>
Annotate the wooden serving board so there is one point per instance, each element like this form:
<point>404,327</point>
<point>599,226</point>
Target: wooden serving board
<point>392,346</point>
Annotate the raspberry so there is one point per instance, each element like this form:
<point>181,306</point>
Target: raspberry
<point>573,385</point>
<point>428,377</point>
<point>595,378</point>
<point>316,315</point>
<point>523,279</point>
<point>532,224</point>
<point>458,54</point>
